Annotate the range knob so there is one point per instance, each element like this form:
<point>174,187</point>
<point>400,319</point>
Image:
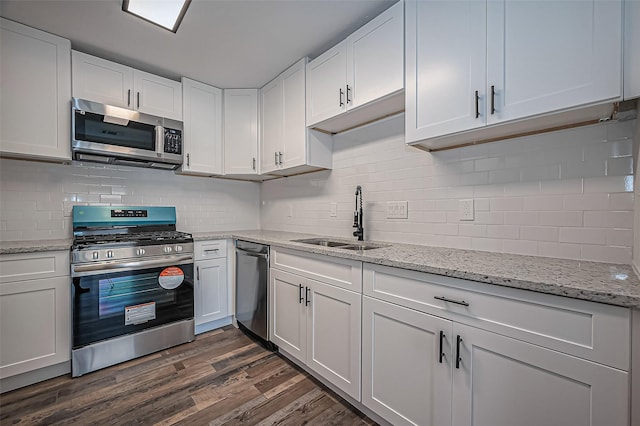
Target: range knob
<point>178,249</point>
<point>140,252</point>
<point>168,249</point>
<point>109,254</point>
<point>95,255</point>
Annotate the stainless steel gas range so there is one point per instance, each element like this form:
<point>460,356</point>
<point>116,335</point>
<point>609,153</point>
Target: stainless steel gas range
<point>132,291</point>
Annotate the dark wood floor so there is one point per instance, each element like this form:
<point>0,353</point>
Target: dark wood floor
<point>222,378</point>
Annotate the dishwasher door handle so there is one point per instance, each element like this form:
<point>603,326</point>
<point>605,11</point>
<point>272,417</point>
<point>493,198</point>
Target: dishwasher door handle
<point>248,253</point>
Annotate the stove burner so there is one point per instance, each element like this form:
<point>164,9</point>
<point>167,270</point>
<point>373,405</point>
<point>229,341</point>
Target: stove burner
<point>132,238</point>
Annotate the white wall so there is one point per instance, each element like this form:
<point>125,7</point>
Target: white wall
<point>636,219</point>
<point>36,198</point>
<point>566,194</point>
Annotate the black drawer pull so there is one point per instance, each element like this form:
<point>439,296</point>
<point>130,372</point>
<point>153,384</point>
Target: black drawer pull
<point>457,302</point>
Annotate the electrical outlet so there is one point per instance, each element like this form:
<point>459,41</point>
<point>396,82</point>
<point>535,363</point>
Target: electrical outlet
<point>466,209</point>
<point>333,210</point>
<point>397,209</point>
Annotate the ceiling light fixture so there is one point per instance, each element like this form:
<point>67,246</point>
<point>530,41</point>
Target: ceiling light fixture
<point>167,14</point>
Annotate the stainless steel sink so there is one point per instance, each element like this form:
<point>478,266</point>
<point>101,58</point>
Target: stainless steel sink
<point>363,246</point>
<point>321,242</point>
<point>339,244</point>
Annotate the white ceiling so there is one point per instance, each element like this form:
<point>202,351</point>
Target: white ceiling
<point>225,43</point>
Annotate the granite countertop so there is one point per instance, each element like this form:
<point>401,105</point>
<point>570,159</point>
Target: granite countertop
<point>13,247</point>
<point>599,282</point>
<point>594,281</point>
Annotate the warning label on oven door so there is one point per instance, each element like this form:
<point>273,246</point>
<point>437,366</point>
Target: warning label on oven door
<point>171,277</point>
<point>137,314</point>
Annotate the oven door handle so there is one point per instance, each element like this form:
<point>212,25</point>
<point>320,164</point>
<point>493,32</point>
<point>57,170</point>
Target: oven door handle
<point>139,264</point>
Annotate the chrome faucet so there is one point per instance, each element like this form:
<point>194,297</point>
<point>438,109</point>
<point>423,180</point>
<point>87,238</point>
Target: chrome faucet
<point>358,216</point>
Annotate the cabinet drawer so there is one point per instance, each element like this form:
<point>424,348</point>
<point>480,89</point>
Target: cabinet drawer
<point>593,331</point>
<point>210,249</point>
<point>340,272</point>
<point>31,266</point>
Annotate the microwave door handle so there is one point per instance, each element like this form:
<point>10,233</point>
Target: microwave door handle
<point>159,140</point>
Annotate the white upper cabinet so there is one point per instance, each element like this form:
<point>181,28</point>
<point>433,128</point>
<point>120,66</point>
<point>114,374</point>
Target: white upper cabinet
<point>506,60</point>
<point>240,131</point>
<point>287,146</point>
<point>366,67</point>
<point>632,49</point>
<point>545,56</point>
<point>158,95</point>
<point>36,84</point>
<point>202,134</point>
<point>446,80</point>
<point>327,84</point>
<point>99,80</point>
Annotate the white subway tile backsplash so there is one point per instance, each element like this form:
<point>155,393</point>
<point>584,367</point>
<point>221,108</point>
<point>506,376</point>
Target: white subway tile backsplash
<point>539,233</point>
<point>620,237</point>
<point>542,203</point>
<point>505,232</point>
<point>527,248</point>
<point>586,202</point>
<point>36,199</point>
<point>506,204</point>
<point>609,184</point>
<point>609,219</point>
<point>621,201</point>
<point>522,218</point>
<point>583,235</point>
<point>487,244</point>
<point>525,190</point>
<point>610,254</point>
<point>563,218</point>
<point>560,250</point>
<point>620,166</point>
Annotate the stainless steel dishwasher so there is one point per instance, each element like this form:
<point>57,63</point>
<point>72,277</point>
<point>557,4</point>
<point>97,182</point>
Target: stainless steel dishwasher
<point>252,284</point>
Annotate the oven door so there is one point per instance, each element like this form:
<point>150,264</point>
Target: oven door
<point>117,300</point>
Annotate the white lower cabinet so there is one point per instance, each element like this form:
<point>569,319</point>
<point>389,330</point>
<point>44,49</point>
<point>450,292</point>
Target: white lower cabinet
<point>404,378</point>
<point>318,324</point>
<point>502,381</point>
<point>35,316</point>
<point>426,365</point>
<point>211,292</point>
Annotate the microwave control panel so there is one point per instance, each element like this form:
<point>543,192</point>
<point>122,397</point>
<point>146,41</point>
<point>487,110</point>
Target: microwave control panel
<point>172,141</point>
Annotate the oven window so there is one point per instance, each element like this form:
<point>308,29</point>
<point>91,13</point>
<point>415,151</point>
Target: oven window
<point>118,303</point>
<point>92,128</point>
<point>116,294</point>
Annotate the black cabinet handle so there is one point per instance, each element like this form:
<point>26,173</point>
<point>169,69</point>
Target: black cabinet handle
<point>493,98</point>
<point>300,293</point>
<point>198,274</point>
<point>348,91</point>
<point>341,96</point>
<point>138,99</point>
<point>477,102</point>
<point>306,296</point>
<point>188,160</point>
<point>441,355</point>
<point>254,163</point>
<point>129,97</point>
<point>446,299</point>
<point>458,358</point>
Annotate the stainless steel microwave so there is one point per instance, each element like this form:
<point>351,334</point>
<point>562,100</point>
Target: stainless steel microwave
<point>108,134</point>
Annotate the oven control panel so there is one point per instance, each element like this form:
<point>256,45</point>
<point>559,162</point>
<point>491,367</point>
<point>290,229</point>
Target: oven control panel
<point>118,253</point>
